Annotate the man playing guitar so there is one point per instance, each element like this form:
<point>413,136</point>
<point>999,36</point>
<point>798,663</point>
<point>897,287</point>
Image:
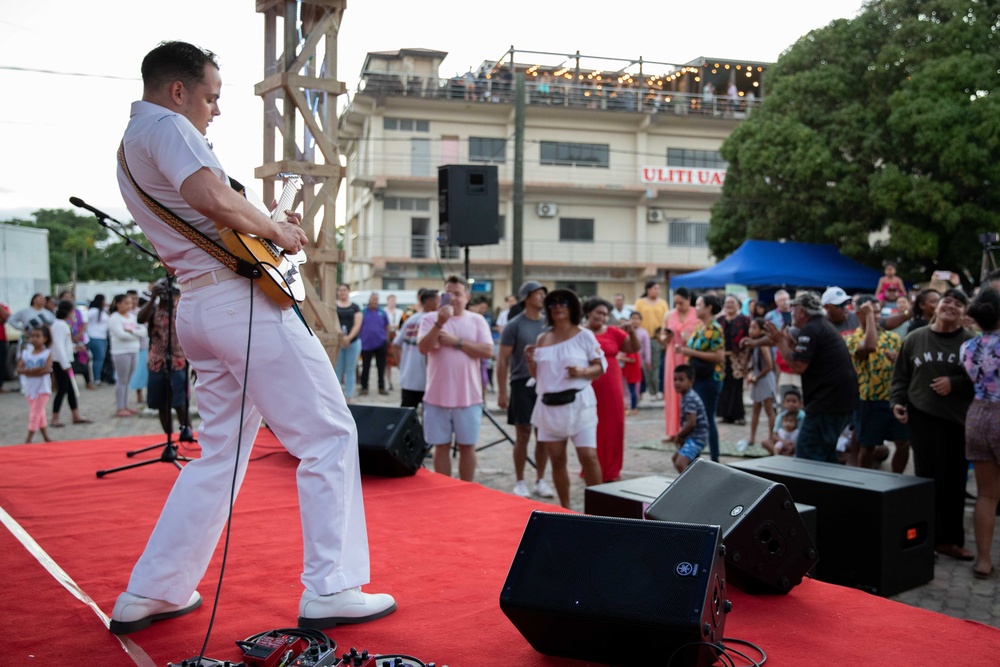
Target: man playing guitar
<point>221,319</point>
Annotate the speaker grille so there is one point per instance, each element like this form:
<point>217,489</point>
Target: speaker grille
<point>663,582</point>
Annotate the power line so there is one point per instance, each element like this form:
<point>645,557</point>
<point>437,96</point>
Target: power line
<point>33,70</point>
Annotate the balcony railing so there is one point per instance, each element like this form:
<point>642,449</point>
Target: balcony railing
<point>559,93</point>
<point>578,253</point>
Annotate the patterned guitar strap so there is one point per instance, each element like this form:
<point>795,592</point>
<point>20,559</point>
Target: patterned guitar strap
<point>235,264</point>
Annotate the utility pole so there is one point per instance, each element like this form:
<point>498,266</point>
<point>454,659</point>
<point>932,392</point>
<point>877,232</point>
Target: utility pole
<point>517,231</point>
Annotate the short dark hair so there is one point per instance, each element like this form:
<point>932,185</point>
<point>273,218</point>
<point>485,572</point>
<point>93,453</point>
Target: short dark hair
<point>573,301</point>
<point>63,310</point>
<point>457,280</point>
<point>712,302</point>
<point>176,61</point>
<point>863,299</point>
<point>44,328</point>
<point>685,370</point>
<point>956,294</point>
<point>792,390</point>
<point>594,302</point>
<point>683,293</point>
<point>985,309</point>
<point>426,294</point>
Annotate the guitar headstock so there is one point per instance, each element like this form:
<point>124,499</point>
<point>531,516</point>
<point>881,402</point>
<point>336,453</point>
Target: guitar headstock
<point>291,180</point>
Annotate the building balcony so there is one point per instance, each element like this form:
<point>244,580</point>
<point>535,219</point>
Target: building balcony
<point>379,251</point>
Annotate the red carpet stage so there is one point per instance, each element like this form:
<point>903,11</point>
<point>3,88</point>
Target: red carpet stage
<point>441,547</point>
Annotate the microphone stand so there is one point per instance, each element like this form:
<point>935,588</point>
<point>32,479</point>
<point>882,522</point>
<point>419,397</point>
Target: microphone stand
<point>169,452</point>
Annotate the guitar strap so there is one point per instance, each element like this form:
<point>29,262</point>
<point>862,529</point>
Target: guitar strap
<point>235,264</point>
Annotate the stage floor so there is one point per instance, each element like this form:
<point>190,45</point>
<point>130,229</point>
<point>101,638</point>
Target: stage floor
<point>440,546</point>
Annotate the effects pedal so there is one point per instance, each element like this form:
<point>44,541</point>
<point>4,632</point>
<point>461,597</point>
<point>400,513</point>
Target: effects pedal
<point>205,662</point>
<point>273,649</point>
<point>364,659</point>
<point>315,656</point>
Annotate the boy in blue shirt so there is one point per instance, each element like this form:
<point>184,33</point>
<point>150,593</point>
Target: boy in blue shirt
<point>693,434</point>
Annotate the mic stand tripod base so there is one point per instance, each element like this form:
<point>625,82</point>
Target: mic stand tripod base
<point>168,455</point>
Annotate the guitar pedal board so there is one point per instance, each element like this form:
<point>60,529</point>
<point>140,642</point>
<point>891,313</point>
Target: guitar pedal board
<point>314,656</point>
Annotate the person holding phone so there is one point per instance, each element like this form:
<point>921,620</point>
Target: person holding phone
<point>454,342</point>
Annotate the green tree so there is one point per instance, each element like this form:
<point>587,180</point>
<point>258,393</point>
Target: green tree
<point>81,249</point>
<point>887,122</point>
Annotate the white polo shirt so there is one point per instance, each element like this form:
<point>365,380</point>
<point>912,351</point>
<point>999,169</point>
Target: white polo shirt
<point>162,149</point>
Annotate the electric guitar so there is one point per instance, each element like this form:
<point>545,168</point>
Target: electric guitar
<point>282,280</point>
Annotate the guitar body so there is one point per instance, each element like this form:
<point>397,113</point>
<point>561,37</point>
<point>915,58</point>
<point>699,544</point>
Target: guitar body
<point>282,280</point>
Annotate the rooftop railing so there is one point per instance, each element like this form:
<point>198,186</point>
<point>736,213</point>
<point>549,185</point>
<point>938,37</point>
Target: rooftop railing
<point>559,93</point>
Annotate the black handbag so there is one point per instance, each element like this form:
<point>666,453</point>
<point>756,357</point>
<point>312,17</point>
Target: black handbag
<point>560,397</point>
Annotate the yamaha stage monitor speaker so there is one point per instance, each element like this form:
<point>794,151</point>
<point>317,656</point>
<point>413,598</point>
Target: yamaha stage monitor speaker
<point>876,529</point>
<point>468,204</point>
<point>630,498</point>
<point>390,440</point>
<point>627,499</point>
<point>768,549</point>
<point>618,591</point>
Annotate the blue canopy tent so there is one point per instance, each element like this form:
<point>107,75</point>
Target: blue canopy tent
<point>771,263</point>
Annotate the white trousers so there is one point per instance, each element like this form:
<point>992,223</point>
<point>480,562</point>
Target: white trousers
<point>291,383</point>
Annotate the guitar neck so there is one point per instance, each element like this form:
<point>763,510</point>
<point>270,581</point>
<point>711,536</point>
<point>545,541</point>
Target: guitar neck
<point>287,199</point>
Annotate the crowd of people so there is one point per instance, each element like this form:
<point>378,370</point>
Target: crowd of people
<point>829,376</point>
<point>119,344</point>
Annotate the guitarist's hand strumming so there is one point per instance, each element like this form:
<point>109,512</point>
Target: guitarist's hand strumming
<point>290,237</point>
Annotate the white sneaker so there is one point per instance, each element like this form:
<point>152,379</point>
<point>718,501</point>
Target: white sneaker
<point>351,606</point>
<point>741,445</point>
<point>543,490</point>
<point>521,489</point>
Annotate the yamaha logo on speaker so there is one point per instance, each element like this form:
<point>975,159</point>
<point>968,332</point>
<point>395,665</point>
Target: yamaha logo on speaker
<point>736,511</point>
<point>685,569</point>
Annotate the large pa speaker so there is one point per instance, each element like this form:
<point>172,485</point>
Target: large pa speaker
<point>876,529</point>
<point>618,591</point>
<point>468,204</point>
<point>768,549</point>
<point>390,440</point>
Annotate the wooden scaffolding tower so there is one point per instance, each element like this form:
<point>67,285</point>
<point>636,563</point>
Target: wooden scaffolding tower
<point>300,91</point>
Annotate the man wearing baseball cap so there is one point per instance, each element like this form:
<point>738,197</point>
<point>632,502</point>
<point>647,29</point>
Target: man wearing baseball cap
<point>836,303</point>
<point>813,348</point>
<point>520,332</point>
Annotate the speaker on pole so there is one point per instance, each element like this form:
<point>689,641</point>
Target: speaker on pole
<point>618,591</point>
<point>468,205</point>
<point>390,440</point>
<point>768,549</point>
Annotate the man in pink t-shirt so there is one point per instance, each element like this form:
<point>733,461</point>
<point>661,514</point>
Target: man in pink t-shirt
<point>454,342</point>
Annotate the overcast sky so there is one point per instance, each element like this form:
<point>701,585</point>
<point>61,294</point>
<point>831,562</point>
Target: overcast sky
<point>70,69</point>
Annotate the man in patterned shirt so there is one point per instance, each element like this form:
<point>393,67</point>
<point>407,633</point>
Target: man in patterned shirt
<point>873,352</point>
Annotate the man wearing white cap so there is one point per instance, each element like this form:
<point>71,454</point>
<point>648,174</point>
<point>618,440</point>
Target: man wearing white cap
<point>836,302</point>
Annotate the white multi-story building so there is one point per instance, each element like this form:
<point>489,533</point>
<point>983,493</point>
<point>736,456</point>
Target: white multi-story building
<point>620,170</point>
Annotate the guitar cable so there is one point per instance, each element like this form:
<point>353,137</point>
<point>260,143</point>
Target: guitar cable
<point>232,486</point>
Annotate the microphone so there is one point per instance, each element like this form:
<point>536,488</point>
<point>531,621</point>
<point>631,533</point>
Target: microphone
<point>79,203</point>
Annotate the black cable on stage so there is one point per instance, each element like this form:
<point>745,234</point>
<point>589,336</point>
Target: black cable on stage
<point>719,648</point>
<point>232,487</point>
<point>763,655</point>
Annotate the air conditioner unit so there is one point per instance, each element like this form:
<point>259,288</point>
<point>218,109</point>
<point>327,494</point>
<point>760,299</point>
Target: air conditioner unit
<point>655,215</point>
<point>547,210</point>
